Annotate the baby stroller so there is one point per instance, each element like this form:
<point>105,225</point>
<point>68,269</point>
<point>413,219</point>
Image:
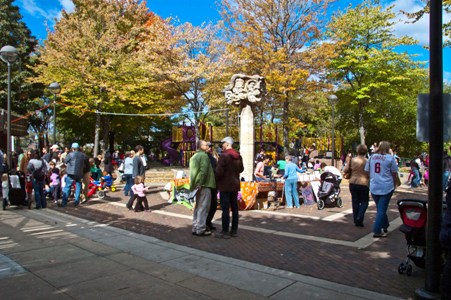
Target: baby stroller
<point>16,194</point>
<point>329,191</point>
<point>414,216</point>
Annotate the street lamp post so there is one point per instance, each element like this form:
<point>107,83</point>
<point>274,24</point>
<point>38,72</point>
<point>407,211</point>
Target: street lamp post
<point>55,88</point>
<point>332,101</point>
<point>9,55</point>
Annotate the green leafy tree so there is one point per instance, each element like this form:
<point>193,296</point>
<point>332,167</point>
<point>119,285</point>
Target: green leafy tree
<point>14,32</point>
<point>378,84</point>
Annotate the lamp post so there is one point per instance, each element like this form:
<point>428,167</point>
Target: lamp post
<point>55,88</point>
<point>9,55</point>
<point>332,101</point>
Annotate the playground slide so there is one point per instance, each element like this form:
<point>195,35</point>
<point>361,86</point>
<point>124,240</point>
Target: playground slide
<point>173,155</point>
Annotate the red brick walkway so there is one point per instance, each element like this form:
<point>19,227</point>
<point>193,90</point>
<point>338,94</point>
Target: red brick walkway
<point>373,268</point>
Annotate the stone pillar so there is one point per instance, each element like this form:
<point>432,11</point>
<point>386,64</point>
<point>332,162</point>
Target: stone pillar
<point>246,92</point>
<point>247,142</point>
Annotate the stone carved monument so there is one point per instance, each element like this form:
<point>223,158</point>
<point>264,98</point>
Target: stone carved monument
<point>246,92</point>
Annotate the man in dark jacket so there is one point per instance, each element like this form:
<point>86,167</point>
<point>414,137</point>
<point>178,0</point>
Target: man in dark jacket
<point>138,170</point>
<point>214,192</point>
<point>230,165</point>
<point>74,170</point>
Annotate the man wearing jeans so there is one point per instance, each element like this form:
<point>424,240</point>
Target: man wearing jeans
<point>74,171</point>
<point>202,178</point>
<point>230,165</point>
<point>38,169</point>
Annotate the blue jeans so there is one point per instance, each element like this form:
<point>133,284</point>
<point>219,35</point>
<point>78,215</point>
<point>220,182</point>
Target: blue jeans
<point>39,198</point>
<point>229,200</point>
<point>69,181</point>
<point>381,221</point>
<point>360,197</point>
<point>128,184</point>
<point>291,193</point>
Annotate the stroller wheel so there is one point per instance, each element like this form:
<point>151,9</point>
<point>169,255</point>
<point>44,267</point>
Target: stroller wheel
<point>320,204</point>
<point>101,194</point>
<point>401,268</point>
<point>339,202</point>
<point>113,188</point>
<point>409,270</point>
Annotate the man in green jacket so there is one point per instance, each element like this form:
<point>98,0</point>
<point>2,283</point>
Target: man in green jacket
<point>202,178</point>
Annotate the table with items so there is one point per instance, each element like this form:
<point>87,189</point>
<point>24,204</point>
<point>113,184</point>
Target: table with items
<point>254,195</point>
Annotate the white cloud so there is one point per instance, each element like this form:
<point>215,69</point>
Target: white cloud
<point>33,9</point>
<point>67,5</point>
<point>418,30</point>
<point>48,14</point>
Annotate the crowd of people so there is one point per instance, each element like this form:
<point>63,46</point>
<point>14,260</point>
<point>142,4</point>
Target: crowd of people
<point>52,173</point>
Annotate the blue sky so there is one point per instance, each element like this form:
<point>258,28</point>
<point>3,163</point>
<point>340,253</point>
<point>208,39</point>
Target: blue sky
<point>38,14</point>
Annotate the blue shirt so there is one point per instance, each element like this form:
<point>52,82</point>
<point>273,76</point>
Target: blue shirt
<point>128,166</point>
<point>381,167</point>
<point>290,171</point>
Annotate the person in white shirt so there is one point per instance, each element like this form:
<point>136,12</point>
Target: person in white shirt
<point>383,170</point>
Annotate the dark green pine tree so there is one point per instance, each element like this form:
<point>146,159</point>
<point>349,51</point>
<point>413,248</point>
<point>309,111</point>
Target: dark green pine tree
<point>14,32</point>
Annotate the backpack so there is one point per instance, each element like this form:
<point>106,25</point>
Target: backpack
<point>39,173</point>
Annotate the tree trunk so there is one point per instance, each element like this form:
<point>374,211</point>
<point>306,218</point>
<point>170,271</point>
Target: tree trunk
<point>97,129</point>
<point>285,123</point>
<point>106,131</point>
<point>361,126</point>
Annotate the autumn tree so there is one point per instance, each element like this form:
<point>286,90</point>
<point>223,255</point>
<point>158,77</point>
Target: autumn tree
<point>92,53</point>
<point>275,39</point>
<point>378,84</point>
<point>187,60</point>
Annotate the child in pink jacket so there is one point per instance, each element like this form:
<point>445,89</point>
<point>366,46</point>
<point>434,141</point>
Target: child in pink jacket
<point>138,189</point>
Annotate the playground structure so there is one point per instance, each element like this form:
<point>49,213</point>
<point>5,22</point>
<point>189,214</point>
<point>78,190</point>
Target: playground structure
<point>181,146</point>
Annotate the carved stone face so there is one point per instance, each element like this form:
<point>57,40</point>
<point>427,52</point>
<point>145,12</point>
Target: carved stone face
<point>244,90</point>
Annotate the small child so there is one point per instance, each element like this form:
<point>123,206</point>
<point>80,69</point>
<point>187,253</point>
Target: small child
<point>317,165</point>
<point>138,189</point>
<point>107,179</point>
<point>55,183</point>
<point>5,190</point>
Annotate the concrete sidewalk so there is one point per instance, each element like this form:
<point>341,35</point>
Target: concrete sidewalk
<point>51,255</point>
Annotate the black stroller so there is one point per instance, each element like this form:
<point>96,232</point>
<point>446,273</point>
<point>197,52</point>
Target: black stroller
<point>414,216</point>
<point>17,195</point>
<point>329,191</point>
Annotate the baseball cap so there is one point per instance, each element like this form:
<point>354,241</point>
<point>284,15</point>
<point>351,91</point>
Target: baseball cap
<point>75,145</point>
<point>55,146</point>
<point>227,140</point>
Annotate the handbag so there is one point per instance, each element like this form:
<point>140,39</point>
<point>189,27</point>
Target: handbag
<point>347,175</point>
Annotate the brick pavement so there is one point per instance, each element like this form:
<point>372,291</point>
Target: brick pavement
<point>373,268</point>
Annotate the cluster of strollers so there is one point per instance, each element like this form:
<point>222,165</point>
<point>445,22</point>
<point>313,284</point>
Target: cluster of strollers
<point>17,195</point>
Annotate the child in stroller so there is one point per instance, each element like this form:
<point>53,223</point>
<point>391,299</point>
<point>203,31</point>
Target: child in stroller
<point>414,216</point>
<point>329,191</point>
